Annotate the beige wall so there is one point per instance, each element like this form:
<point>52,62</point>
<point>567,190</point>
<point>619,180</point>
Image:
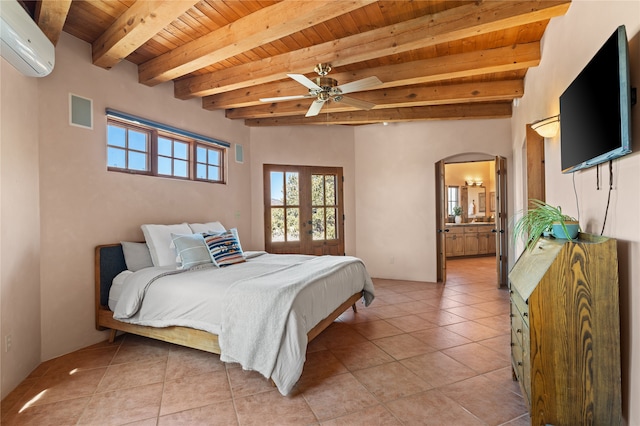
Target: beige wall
<point>569,43</point>
<point>52,225</point>
<point>330,146</point>
<point>395,188</point>
<point>19,226</point>
<point>83,205</point>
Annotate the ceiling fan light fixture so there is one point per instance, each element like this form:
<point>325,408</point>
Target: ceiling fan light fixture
<point>326,89</point>
<point>322,69</point>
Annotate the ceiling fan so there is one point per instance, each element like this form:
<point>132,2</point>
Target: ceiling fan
<point>326,89</point>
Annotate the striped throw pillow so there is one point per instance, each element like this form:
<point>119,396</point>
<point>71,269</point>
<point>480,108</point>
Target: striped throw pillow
<point>224,247</point>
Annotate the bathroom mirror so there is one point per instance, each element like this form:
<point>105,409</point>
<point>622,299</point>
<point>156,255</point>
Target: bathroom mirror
<point>477,201</point>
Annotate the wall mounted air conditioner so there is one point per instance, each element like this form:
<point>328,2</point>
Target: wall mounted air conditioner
<point>24,45</point>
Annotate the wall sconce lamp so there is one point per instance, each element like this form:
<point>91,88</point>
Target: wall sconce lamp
<point>547,127</point>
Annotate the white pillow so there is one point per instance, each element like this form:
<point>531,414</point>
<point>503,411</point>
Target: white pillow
<point>158,238</point>
<point>136,255</point>
<point>210,227</point>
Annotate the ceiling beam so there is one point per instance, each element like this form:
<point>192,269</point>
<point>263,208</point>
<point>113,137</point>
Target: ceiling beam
<point>137,25</point>
<point>50,17</point>
<point>461,65</point>
<point>442,27</point>
<point>396,98</point>
<point>261,27</point>
<point>437,112</point>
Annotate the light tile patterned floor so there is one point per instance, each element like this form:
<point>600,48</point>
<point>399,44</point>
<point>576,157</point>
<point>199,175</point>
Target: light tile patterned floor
<point>423,353</point>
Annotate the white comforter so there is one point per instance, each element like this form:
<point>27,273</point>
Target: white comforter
<point>261,310</point>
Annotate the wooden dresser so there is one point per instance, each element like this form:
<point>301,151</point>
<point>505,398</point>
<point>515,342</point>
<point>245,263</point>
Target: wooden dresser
<point>565,331</point>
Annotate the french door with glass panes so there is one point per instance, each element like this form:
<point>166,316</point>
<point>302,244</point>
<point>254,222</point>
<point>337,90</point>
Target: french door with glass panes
<point>303,210</point>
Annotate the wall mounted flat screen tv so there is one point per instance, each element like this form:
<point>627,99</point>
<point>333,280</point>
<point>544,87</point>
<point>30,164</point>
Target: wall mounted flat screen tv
<point>595,110</point>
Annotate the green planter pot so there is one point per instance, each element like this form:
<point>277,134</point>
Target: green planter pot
<point>572,228</point>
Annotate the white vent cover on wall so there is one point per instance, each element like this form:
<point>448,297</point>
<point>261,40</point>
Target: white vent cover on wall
<point>80,111</point>
<point>239,154</point>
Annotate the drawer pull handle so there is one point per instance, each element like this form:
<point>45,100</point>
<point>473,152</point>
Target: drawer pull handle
<point>518,331</point>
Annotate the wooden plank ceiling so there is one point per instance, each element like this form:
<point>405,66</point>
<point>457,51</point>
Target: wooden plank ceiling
<point>436,59</point>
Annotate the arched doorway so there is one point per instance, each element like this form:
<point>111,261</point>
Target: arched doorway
<point>483,196</point>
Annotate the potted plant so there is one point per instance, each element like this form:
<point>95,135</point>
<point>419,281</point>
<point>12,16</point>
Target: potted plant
<point>457,211</point>
<point>544,218</point>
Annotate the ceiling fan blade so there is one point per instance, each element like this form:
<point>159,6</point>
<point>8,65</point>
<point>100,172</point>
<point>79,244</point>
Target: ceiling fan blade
<point>358,85</point>
<point>357,103</point>
<point>285,98</point>
<point>304,81</point>
<point>314,109</point>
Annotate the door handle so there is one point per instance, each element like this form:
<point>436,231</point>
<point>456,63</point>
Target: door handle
<point>440,231</point>
<point>494,231</point>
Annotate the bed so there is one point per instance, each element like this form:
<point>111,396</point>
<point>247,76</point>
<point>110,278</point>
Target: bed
<point>260,312</point>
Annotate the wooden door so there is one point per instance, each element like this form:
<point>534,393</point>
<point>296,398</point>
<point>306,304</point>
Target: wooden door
<point>441,230</point>
<point>535,166</point>
<point>303,209</point>
<point>502,248</point>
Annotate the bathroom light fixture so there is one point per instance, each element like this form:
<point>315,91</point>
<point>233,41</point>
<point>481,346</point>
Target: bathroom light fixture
<point>547,127</point>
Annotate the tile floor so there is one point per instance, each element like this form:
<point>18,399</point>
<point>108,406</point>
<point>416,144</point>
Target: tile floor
<point>423,353</point>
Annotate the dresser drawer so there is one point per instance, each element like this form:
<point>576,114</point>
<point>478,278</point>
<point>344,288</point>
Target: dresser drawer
<point>520,363</point>
<point>526,365</point>
<point>516,328</point>
<point>520,305</point>
<point>516,357</point>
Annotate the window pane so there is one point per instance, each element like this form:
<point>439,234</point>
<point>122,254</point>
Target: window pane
<point>137,161</point>
<point>180,168</point>
<point>330,190</point>
<point>137,140</point>
<point>331,224</point>
<point>201,154</point>
<point>277,188</point>
<point>116,158</point>
<point>181,151</point>
<point>201,171</point>
<point>317,190</point>
<point>164,147</point>
<point>214,157</point>
<point>164,166</point>
<point>277,224</point>
<point>293,225</point>
<point>116,136</point>
<point>214,173</point>
<point>292,189</point>
<point>452,198</point>
<point>318,223</point>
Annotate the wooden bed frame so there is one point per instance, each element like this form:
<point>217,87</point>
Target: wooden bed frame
<point>109,262</point>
